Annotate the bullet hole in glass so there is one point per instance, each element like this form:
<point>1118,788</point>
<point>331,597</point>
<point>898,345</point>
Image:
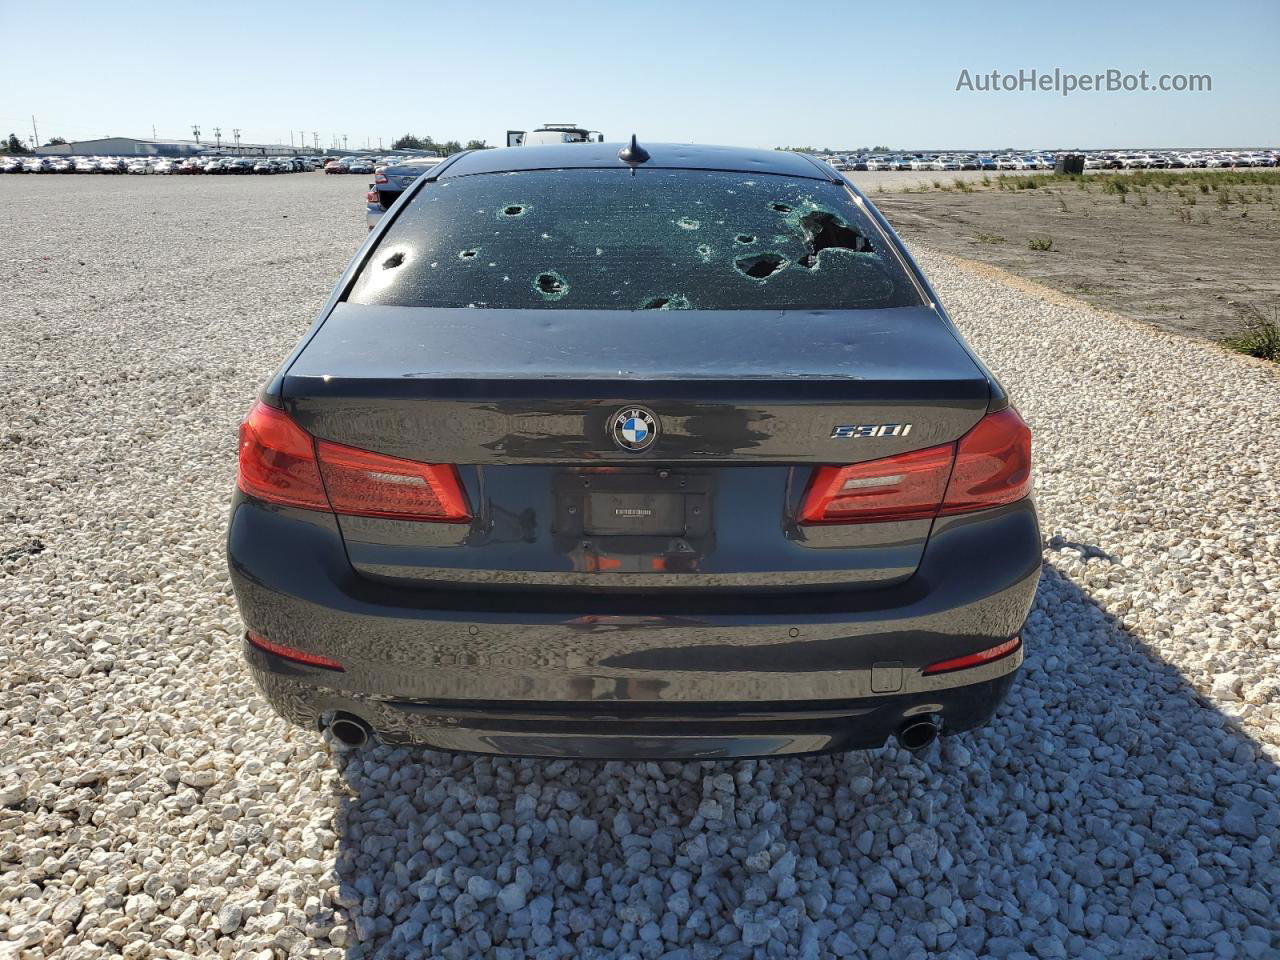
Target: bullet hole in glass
<point>826,231</point>
<point>468,254</point>
<point>746,238</point>
<point>676,301</point>
<point>704,251</point>
<point>762,266</point>
<point>515,210</point>
<point>393,261</point>
<point>780,207</point>
<point>688,223</point>
<point>550,285</point>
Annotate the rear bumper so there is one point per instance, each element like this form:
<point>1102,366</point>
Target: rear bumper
<point>515,673</point>
<point>605,730</point>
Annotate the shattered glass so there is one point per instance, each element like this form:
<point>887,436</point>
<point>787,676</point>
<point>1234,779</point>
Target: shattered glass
<point>657,240</point>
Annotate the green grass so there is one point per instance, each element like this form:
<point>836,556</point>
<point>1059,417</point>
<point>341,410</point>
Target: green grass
<point>1044,244</point>
<point>1206,181</point>
<point>989,238</point>
<point>1261,338</point>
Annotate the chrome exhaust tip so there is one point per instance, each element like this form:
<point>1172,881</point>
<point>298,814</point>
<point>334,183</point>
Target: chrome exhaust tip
<point>349,730</point>
<point>918,733</point>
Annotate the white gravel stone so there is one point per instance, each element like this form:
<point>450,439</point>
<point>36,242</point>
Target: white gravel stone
<point>1122,803</point>
<point>229,918</point>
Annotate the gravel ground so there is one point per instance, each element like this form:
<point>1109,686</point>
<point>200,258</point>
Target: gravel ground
<point>1123,804</point>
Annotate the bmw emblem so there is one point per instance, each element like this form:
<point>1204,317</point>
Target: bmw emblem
<point>634,428</point>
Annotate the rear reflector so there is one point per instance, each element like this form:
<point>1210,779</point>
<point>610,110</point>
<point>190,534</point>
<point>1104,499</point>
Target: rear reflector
<point>989,466</point>
<point>975,659</point>
<point>289,653</point>
<point>282,463</point>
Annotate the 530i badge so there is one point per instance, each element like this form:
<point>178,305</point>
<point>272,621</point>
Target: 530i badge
<point>870,430</point>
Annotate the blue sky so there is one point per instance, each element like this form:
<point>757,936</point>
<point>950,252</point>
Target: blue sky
<point>743,72</point>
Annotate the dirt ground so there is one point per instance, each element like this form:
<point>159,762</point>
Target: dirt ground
<point>1197,261</point>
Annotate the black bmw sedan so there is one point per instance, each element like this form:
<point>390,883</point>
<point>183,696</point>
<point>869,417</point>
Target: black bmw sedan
<point>612,450</point>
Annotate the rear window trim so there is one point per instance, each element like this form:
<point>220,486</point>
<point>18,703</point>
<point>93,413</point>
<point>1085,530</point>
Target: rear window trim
<point>890,239</point>
<point>646,167</point>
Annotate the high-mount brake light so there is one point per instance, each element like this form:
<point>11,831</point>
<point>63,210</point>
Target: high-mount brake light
<point>989,466</point>
<point>282,463</point>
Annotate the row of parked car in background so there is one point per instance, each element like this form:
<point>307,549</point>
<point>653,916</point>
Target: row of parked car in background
<point>1044,160</point>
<point>356,164</point>
<point>159,165</point>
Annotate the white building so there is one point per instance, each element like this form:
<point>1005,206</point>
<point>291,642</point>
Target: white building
<point>130,147</point>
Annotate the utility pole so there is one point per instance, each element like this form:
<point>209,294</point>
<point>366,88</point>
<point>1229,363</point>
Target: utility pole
<point>195,128</point>
<point>217,132</point>
<point>379,144</point>
<point>35,135</point>
<point>153,131</point>
<point>235,132</point>
<point>315,138</point>
<point>344,140</point>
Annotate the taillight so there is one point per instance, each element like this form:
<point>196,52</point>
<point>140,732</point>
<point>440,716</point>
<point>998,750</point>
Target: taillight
<point>381,178</point>
<point>989,466</point>
<point>374,485</point>
<point>989,655</point>
<point>372,197</point>
<point>905,487</point>
<point>282,463</point>
<point>993,464</point>
<point>278,460</point>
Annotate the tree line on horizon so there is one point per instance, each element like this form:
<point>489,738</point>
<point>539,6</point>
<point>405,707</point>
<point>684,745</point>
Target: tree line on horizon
<point>446,148</point>
<point>12,146</point>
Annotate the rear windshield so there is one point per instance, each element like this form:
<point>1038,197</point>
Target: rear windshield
<point>659,240</point>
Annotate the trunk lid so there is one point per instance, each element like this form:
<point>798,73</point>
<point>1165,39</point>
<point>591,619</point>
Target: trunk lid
<point>746,404</point>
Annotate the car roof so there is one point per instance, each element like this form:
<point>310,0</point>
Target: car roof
<point>670,156</point>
